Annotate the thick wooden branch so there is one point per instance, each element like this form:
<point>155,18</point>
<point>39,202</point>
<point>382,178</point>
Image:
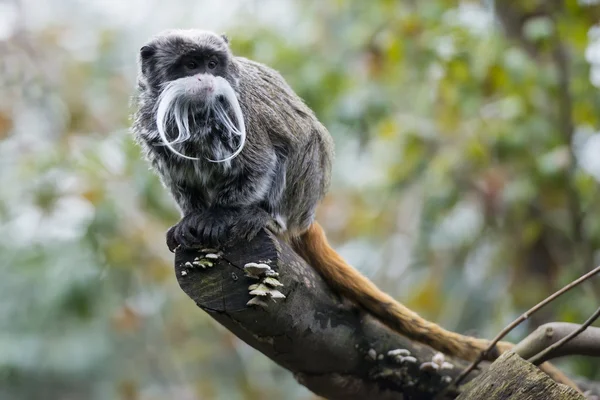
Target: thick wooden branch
<point>511,377</point>
<point>331,346</point>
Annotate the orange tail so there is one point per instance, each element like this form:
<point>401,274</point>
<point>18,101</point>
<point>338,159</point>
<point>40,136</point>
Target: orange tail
<point>314,248</point>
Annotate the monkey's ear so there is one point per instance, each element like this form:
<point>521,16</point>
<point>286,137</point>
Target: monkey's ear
<point>147,52</point>
<point>225,38</point>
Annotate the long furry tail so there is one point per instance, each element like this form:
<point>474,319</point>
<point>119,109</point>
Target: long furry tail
<point>351,284</point>
<point>313,246</point>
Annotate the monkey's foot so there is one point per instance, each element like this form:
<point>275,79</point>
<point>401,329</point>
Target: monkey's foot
<point>248,222</point>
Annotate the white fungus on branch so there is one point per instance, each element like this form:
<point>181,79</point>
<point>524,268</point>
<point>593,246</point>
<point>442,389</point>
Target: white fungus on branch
<point>266,287</point>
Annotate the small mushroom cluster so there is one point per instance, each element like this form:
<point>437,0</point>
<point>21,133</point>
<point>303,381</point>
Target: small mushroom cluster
<point>206,261</point>
<point>437,363</point>
<point>401,356</point>
<point>267,284</point>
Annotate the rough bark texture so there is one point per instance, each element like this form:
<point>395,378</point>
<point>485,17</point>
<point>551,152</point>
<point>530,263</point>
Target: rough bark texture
<point>331,346</point>
<point>511,377</point>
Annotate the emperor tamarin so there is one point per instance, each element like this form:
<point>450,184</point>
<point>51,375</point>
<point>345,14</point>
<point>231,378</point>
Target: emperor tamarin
<point>240,151</point>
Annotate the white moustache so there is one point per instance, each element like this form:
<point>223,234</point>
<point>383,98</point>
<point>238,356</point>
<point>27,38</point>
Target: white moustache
<point>179,99</point>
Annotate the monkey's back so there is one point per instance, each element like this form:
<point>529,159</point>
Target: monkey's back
<point>302,143</point>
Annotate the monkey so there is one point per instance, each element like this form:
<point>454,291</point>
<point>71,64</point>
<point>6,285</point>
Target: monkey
<point>240,151</point>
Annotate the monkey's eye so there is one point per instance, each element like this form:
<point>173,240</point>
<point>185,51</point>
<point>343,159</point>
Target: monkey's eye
<point>191,64</point>
<point>212,63</point>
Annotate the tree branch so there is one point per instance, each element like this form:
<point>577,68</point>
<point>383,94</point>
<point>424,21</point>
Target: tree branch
<point>523,317</point>
<point>587,343</point>
<point>556,346</point>
<point>332,347</point>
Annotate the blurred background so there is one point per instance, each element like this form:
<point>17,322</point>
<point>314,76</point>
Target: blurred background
<point>466,182</point>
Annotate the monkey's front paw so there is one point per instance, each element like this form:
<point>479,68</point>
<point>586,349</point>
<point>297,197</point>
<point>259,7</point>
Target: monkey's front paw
<point>208,228</point>
<point>184,233</point>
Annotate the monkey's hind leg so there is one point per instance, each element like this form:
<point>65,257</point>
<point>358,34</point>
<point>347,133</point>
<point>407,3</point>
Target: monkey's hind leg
<point>248,221</point>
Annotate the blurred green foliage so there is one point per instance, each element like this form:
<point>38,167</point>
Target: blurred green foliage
<point>466,181</point>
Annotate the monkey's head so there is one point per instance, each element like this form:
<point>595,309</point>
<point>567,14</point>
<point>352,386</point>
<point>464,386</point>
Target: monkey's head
<point>187,79</point>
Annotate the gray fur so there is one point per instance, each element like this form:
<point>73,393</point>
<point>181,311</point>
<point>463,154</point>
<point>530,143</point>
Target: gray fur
<point>277,179</point>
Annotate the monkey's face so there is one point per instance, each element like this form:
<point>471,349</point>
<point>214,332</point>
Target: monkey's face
<point>191,77</point>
